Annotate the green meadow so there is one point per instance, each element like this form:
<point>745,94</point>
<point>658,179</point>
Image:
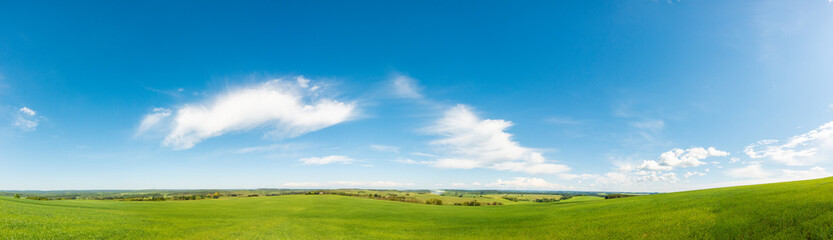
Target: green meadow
<point>791,210</point>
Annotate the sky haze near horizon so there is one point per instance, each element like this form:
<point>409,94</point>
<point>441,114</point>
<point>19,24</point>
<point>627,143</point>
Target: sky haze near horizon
<point>550,95</point>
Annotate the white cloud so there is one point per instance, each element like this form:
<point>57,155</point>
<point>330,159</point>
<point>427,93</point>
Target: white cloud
<point>753,170</point>
<point>525,183</point>
<point>815,172</point>
<point>410,161</point>
<point>803,150</point>
<point>152,120</point>
<point>690,157</point>
<point>695,173</point>
<point>405,87</point>
<point>471,142</point>
<point>302,81</point>
<point>261,148</point>
<point>288,108</point>
<point>384,148</point>
<point>677,158</point>
<point>327,160</point>
<point>423,154</point>
<point>27,119</point>
<point>654,166</point>
<point>28,112</point>
<point>758,175</point>
<point>734,160</point>
<point>650,173</point>
<point>406,161</point>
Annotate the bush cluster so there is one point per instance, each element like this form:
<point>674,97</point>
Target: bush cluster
<point>617,195</point>
<point>469,203</point>
<point>434,201</point>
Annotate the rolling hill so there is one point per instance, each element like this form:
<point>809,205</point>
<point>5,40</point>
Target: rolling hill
<point>790,210</point>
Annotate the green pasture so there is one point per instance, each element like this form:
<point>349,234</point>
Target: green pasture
<point>793,210</point>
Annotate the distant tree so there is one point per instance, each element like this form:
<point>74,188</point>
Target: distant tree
<point>17,196</point>
<point>618,195</point>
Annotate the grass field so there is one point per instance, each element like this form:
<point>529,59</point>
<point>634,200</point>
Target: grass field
<point>793,210</point>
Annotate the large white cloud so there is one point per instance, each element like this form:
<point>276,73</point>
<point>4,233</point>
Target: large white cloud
<point>26,119</point>
<point>470,142</point>
<point>681,158</point>
<point>288,108</point>
<point>651,173</point>
<point>753,170</point>
<point>803,150</point>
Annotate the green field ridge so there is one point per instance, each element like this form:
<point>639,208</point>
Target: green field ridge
<point>790,210</point>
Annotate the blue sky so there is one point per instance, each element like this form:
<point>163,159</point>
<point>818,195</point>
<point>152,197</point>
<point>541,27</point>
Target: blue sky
<point>572,95</point>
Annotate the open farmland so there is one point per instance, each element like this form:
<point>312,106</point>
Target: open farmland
<point>792,210</point>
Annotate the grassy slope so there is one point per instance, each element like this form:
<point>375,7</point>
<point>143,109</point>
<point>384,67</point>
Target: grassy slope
<point>774,211</point>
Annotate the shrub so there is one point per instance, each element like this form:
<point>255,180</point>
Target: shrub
<point>471,203</point>
<point>434,201</point>
<point>17,196</point>
<point>547,200</point>
<point>617,195</point>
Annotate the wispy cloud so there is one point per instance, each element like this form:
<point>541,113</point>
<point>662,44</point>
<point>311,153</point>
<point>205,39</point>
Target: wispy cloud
<point>695,173</point>
<point>288,108</point>
<point>470,142</point>
<point>261,148</point>
<point>815,172</point>
<point>384,148</point>
<point>803,150</point>
<point>649,173</point>
<point>327,160</point>
<point>27,119</point>
<point>681,158</point>
<point>405,87</point>
<point>152,119</point>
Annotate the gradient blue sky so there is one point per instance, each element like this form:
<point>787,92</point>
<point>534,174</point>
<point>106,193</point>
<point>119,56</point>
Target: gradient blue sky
<point>551,95</point>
